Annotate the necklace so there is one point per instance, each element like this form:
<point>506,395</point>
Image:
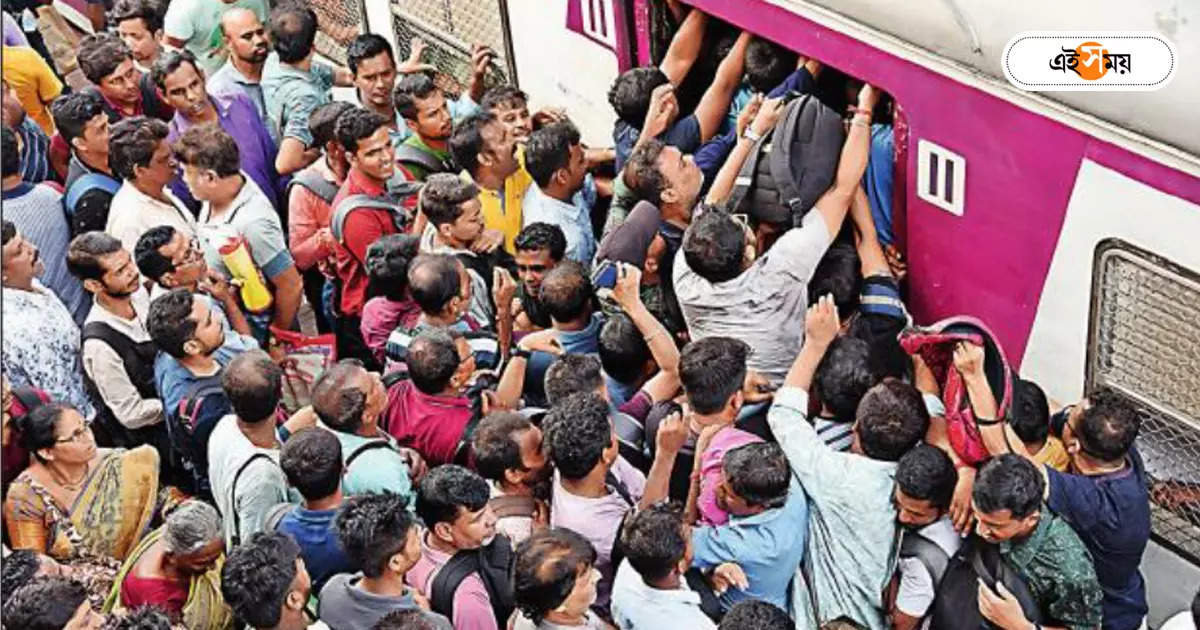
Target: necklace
<point>71,485</point>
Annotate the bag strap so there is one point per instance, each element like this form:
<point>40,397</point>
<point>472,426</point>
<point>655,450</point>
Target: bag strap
<point>781,156</point>
<point>315,184</point>
<point>122,345</point>
<point>349,204</point>
<point>512,505</point>
<point>237,521</point>
<point>192,402</point>
<point>447,579</point>
<point>618,485</point>
<point>374,444</point>
<point>85,183</point>
<point>275,515</point>
<point>928,553</point>
<point>408,154</point>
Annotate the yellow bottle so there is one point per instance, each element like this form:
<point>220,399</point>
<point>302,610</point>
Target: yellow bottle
<point>256,298</point>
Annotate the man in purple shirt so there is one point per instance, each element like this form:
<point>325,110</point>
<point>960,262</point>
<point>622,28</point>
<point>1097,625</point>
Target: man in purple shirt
<point>182,84</point>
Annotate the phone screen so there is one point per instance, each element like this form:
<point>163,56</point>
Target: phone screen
<point>605,275</point>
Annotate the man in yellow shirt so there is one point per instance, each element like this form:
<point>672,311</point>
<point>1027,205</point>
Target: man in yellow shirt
<point>1031,422</point>
<point>488,152</point>
<point>34,82</point>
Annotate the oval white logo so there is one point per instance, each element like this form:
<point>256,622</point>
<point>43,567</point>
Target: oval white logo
<point>1089,61</point>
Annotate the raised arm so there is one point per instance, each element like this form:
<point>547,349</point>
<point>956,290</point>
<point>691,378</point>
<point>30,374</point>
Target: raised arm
<point>998,437</point>
<point>869,251</point>
<point>665,383</point>
<point>715,102</point>
<point>672,434</point>
<point>685,47</point>
<point>820,329</point>
<point>851,165</point>
<point>764,121</point>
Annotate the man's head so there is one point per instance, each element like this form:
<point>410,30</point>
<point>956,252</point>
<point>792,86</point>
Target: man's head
<point>630,94</point>
<point>540,246</point>
<point>407,619</point>
<point>554,158</point>
<point>439,284</point>
<point>139,153</point>
<point>20,261</point>
<point>484,146</point>
<point>1030,416</point>
<point>664,176</point>
<point>767,64</point>
<point>839,273</point>
<point>1101,430</point>
<point>51,603</point>
<point>755,614</point>
<point>579,436</point>
<point>102,265</point>
<point>80,119</point>
<point>192,538</point>
<point>657,543</point>
<point>891,419</point>
<point>10,160</point>
<point>322,124</point>
<point>183,326</point>
<point>181,82</point>
<point>387,264</point>
<point>210,157</point>
<point>140,25</point>
<point>925,480</point>
<point>452,206</point>
<point>168,257</point>
<point>293,31</point>
<point>144,617</point>
<point>554,571</point>
<point>754,478</point>
<point>373,64</point>
<point>573,373</point>
<point>1007,498</point>
<point>254,385</point>
<point>265,582</point>
<point>508,448</point>
<point>312,461</point>
<point>245,36</point>
<point>713,371</point>
<point>440,362</point>
<point>716,247</point>
<point>346,397</point>
<point>23,565</point>
<point>423,106</point>
<point>453,503</point>
<point>566,293</point>
<point>106,61</point>
<point>364,136</point>
<point>843,376</point>
<point>511,106</point>
<point>623,351</point>
<point>379,534</point>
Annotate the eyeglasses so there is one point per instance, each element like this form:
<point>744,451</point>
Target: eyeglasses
<point>76,435</point>
<point>192,256</point>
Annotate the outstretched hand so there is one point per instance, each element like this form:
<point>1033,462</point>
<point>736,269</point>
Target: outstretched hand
<point>821,323</point>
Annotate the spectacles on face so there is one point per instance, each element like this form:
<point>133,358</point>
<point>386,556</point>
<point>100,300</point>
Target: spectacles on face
<point>191,256</point>
<point>76,435</point>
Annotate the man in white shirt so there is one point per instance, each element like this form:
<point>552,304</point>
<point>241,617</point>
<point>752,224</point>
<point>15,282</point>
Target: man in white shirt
<point>139,154</point>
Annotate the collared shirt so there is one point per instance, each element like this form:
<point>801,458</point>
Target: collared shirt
<point>472,609</point>
<point>36,210</point>
<point>251,216</point>
<point>638,605</point>
<point>229,80</point>
<point>428,423</point>
<point>256,148</point>
<point>483,343</point>
<point>362,227</point>
<point>41,346</point>
<point>459,108</point>
<point>35,152</point>
<point>292,94</point>
<point>1059,572</point>
<point>377,469</point>
<point>34,82</point>
<point>851,524</point>
<point>260,486</point>
<point>198,24</point>
<point>107,369</point>
<point>764,305</point>
<point>574,218</point>
<point>308,213</point>
<point>133,212</point>
<point>502,208</point>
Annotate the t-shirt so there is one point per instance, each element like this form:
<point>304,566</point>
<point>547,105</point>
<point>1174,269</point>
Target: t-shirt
<point>198,24</point>
<point>684,135</point>
<point>917,588</point>
<point>261,486</point>
<point>472,607</point>
<point>711,466</point>
<point>346,606</point>
<point>319,545</point>
<point>430,424</point>
<point>34,82</point>
<point>638,605</point>
<point>251,216</point>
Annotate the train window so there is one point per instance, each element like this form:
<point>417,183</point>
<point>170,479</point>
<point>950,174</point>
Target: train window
<point>941,177</point>
<point>1143,342</point>
<point>449,29</point>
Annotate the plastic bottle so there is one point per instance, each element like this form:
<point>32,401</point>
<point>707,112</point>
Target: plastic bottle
<point>256,298</point>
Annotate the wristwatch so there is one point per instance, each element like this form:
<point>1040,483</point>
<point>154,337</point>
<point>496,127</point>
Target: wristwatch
<point>518,351</point>
<point>750,135</point>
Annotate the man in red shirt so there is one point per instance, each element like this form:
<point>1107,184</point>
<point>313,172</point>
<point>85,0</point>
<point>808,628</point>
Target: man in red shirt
<point>429,412</point>
<point>360,221</point>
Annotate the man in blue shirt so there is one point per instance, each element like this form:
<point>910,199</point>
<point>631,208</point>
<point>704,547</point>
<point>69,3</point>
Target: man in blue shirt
<point>650,590</point>
<point>565,192</point>
<point>312,461</point>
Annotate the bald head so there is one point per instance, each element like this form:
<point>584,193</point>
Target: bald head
<point>245,36</point>
<point>253,384</point>
<point>434,280</point>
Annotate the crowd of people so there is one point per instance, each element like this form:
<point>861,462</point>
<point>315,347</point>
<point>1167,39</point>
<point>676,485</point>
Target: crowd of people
<point>660,382</point>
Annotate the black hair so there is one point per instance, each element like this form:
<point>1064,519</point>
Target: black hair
<point>549,149</point>
<point>1009,482</point>
<point>312,461</point>
<point>1030,415</point>
<point>447,489</point>
<point>711,371</point>
<point>85,251</point>
<point>1108,427</point>
<point>72,112</point>
<point>19,568</point>
<point>539,235</point>
<point>839,273</point>
<point>150,262</point>
<point>46,603</point>
<point>372,528</point>
<point>653,541</point>
<point>257,577</point>
<point>10,157</point>
<point>366,46</point>
<point>355,125</point>
<point>322,123</point>
<point>630,93</point>
<point>714,246</point>
<point>570,374</point>
<point>410,89</point>
<point>434,280</point>
<point>145,617</point>
<point>406,619</point>
<point>338,403</point>
<point>168,62</point>
<point>844,374</point>
<point>546,567</point>
<point>767,64</point>
<point>209,147</point>
<point>577,431</point>
<point>148,11</point>
<point>293,30</point>
<point>495,444</point>
<point>387,264</point>
<point>254,385</point>
<point>641,172</point>
<point>891,419</point>
<point>925,473</point>
<point>755,614</point>
<point>443,197</point>
<point>100,54</point>
<point>169,321</point>
<point>503,96</point>
<point>132,142</point>
<point>466,142</point>
<point>432,359</point>
<point>623,350</point>
<point>758,473</point>
<point>8,232</point>
<point>36,428</point>
<point>566,291</point>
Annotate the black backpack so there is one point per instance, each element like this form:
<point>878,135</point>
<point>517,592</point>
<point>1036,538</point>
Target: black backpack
<point>188,428</point>
<point>956,605</point>
<point>409,155</point>
<point>315,184</point>
<point>792,165</point>
<point>493,563</point>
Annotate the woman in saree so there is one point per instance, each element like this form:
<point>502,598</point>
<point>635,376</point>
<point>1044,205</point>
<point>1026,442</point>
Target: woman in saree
<point>177,568</point>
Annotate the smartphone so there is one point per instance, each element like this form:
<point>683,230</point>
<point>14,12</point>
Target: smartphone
<point>605,275</point>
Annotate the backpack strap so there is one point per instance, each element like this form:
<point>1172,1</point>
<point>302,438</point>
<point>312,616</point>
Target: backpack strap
<point>372,445</point>
<point>315,184</point>
<point>745,177</point>
<point>492,563</point>
<point>193,401</point>
<point>275,515</point>
<point>447,580</point>
<point>87,182</point>
<point>408,154</point>
<point>781,157</point>
<point>512,505</point>
<point>237,521</point>
<point>930,554</point>
<point>342,211</point>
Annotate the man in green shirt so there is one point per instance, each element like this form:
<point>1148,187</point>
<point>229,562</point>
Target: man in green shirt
<point>429,118</point>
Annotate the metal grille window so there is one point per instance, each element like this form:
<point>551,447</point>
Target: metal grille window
<point>450,28</point>
<point>1144,343</point>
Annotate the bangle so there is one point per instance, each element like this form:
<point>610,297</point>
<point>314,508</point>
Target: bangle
<point>987,422</point>
<point>751,135</point>
<point>519,353</point>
